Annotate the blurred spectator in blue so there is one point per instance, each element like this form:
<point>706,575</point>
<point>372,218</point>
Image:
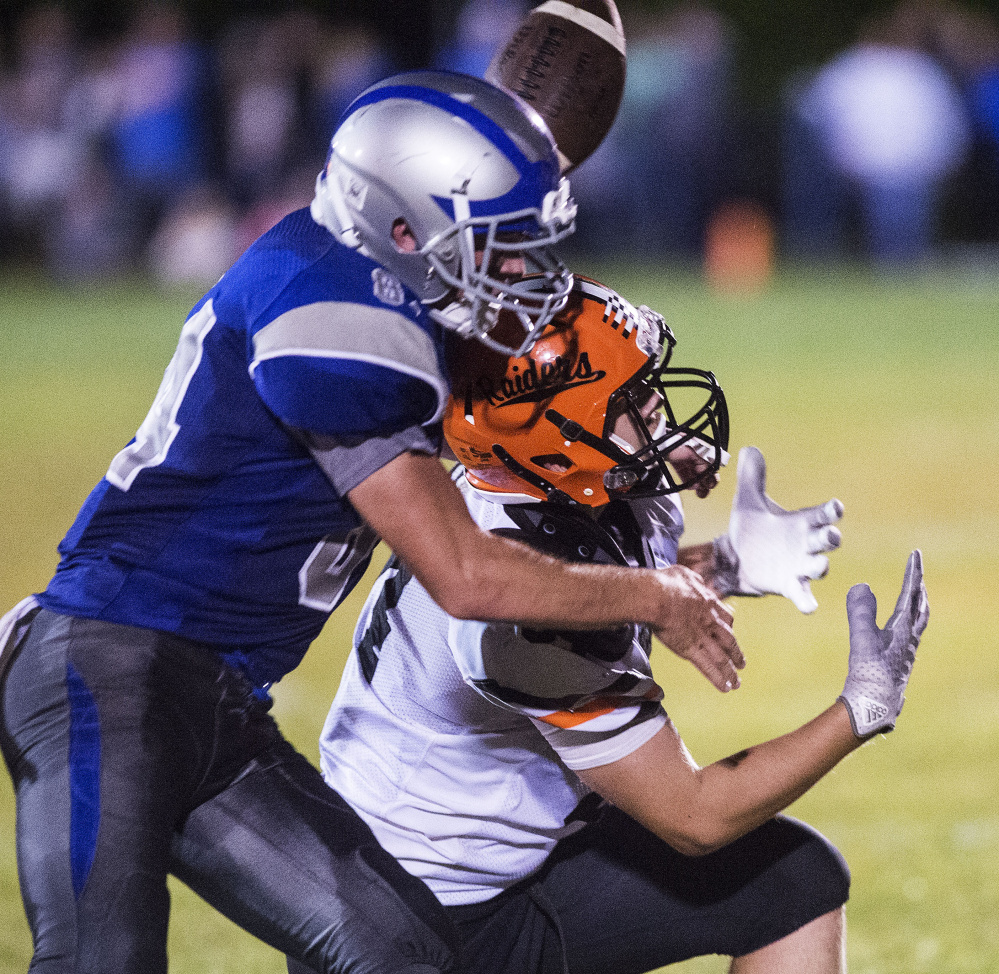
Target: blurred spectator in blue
<point>654,182</point>
<point>882,124</point>
<point>157,132</point>
<point>983,90</point>
<point>481,28</point>
<point>967,41</point>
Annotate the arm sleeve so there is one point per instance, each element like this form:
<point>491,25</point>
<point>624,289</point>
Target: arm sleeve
<point>606,738</point>
<point>346,464</point>
<point>591,709</point>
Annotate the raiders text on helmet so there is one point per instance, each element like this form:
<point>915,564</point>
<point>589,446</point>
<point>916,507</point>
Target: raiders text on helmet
<point>591,412</point>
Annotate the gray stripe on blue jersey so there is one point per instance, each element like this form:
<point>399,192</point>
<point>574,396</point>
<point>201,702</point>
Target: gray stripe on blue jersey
<point>347,464</point>
<point>339,329</point>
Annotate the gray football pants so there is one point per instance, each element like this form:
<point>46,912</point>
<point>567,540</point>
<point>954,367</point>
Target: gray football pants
<point>135,754</point>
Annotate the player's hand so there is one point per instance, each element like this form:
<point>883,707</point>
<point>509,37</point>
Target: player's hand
<point>692,466</point>
<point>770,551</point>
<point>697,626</point>
<point>881,659</point>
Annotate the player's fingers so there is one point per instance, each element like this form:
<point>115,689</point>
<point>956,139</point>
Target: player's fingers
<point>801,570</point>
<point>704,652</point>
<point>706,484</point>
<point>907,606</point>
<point>723,637</point>
<point>923,615</point>
<point>862,606</point>
<point>698,628</point>
<point>713,628</point>
<point>919,603</point>
<point>912,583</point>
<point>813,567</point>
<point>821,514</point>
<point>718,668</point>
<point>721,614</point>
<point>803,599</point>
<point>825,538</point>
<point>751,478</point>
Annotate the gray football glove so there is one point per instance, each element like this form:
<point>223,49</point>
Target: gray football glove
<point>881,659</point>
<point>770,551</point>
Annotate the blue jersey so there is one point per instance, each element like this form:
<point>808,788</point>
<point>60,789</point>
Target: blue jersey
<point>225,520</point>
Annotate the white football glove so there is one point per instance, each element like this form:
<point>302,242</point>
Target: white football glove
<point>881,659</point>
<point>770,551</point>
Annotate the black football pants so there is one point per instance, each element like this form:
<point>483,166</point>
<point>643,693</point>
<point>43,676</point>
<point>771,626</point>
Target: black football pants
<point>135,754</point>
<point>616,899</point>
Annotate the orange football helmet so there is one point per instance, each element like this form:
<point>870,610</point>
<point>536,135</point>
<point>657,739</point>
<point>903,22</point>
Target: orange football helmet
<point>591,412</point>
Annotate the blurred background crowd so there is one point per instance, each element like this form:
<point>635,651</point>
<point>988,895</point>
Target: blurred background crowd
<point>155,144</point>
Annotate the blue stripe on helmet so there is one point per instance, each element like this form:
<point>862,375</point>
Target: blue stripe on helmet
<point>536,178</point>
<point>517,199</point>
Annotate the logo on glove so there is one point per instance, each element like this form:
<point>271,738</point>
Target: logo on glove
<point>872,710</point>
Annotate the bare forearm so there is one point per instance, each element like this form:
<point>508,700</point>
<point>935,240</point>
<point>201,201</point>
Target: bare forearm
<point>743,791</point>
<point>474,574</point>
<point>506,580</point>
<point>698,810</point>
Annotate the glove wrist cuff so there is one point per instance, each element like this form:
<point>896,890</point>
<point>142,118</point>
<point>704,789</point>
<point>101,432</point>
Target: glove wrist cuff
<point>725,565</point>
<point>868,717</point>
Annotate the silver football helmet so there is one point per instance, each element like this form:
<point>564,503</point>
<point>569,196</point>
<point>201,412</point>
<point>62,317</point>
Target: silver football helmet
<point>474,174</point>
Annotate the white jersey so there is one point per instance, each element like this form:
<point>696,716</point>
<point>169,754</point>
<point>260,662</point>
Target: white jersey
<point>456,741</point>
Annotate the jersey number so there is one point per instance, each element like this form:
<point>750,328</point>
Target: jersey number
<point>159,429</point>
<point>394,577</point>
<point>330,569</point>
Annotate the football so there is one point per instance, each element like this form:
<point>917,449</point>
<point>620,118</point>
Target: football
<point>567,61</point>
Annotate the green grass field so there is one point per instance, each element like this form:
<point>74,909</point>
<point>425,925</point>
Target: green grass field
<point>880,392</point>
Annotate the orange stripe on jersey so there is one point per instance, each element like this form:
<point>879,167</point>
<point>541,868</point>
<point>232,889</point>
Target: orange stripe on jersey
<point>573,718</point>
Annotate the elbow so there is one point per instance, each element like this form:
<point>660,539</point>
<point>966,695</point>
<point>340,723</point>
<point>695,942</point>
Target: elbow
<point>458,602</point>
<point>699,838</point>
<point>693,846</point>
<point>462,592</point>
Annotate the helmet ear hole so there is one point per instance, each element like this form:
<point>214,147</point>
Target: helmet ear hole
<point>402,237</point>
<point>554,462</point>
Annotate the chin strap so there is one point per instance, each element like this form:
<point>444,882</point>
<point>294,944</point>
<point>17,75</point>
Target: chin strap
<point>551,492</point>
<point>574,431</point>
